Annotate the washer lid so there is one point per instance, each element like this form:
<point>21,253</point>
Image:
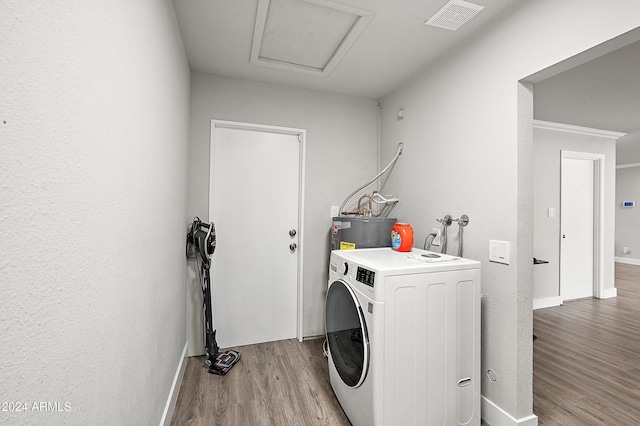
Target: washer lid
<point>389,262</point>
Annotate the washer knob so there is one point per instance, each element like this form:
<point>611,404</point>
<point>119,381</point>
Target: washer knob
<point>344,268</point>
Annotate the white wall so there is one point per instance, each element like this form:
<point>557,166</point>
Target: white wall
<point>628,219</point>
<point>340,156</point>
<point>547,145</point>
<point>94,100</point>
<point>628,148</point>
<point>469,151</point>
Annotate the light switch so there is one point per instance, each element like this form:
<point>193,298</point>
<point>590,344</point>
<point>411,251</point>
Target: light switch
<point>551,212</point>
<point>499,251</point>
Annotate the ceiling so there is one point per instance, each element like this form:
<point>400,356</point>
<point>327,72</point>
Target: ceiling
<point>392,45</point>
<point>395,44</point>
<point>603,93</point>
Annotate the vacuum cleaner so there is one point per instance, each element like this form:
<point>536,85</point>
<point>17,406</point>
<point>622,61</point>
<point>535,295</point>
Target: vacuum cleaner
<point>201,243</point>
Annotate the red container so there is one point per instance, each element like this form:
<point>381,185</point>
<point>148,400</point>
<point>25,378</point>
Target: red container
<point>402,237</point>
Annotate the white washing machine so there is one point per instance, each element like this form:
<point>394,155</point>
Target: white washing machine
<point>403,333</point>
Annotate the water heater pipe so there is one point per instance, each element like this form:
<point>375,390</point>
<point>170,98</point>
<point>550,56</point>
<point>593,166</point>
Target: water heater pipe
<point>400,146</point>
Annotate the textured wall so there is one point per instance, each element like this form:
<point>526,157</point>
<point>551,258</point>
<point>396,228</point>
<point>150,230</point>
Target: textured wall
<point>467,150</point>
<point>94,100</point>
<point>628,219</point>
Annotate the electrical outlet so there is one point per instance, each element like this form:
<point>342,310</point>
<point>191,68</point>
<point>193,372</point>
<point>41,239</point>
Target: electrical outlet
<point>436,239</point>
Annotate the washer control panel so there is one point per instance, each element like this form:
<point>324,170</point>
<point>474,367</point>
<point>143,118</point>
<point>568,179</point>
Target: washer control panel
<point>365,276</point>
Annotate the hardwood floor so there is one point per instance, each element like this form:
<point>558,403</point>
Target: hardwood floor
<point>586,358</point>
<point>586,372</point>
<point>276,383</point>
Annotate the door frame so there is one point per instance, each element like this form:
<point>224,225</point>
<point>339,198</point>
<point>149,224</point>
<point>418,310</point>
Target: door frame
<point>302,137</point>
<point>598,215</point>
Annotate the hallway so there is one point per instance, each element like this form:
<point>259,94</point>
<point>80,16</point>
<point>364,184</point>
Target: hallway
<point>585,356</point>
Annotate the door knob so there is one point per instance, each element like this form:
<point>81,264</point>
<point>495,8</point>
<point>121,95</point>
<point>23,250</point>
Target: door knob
<point>293,246</point>
<point>292,232</point>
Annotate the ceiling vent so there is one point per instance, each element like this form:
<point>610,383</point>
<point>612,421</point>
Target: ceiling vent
<point>454,14</point>
<point>310,36</point>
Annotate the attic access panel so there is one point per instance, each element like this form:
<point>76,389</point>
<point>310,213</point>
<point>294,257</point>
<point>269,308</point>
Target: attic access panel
<point>309,36</point>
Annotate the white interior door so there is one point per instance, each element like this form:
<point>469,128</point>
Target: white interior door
<point>254,196</point>
<point>577,228</point>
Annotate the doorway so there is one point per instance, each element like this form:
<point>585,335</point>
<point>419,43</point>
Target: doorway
<point>256,203</point>
<point>580,224</point>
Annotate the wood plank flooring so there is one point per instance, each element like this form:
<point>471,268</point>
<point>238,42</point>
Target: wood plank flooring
<point>276,383</point>
<point>587,358</point>
<point>586,372</point>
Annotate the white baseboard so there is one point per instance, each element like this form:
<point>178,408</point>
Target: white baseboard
<point>496,416</point>
<point>175,389</point>
<point>608,293</point>
<point>547,302</point>
<point>627,260</point>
